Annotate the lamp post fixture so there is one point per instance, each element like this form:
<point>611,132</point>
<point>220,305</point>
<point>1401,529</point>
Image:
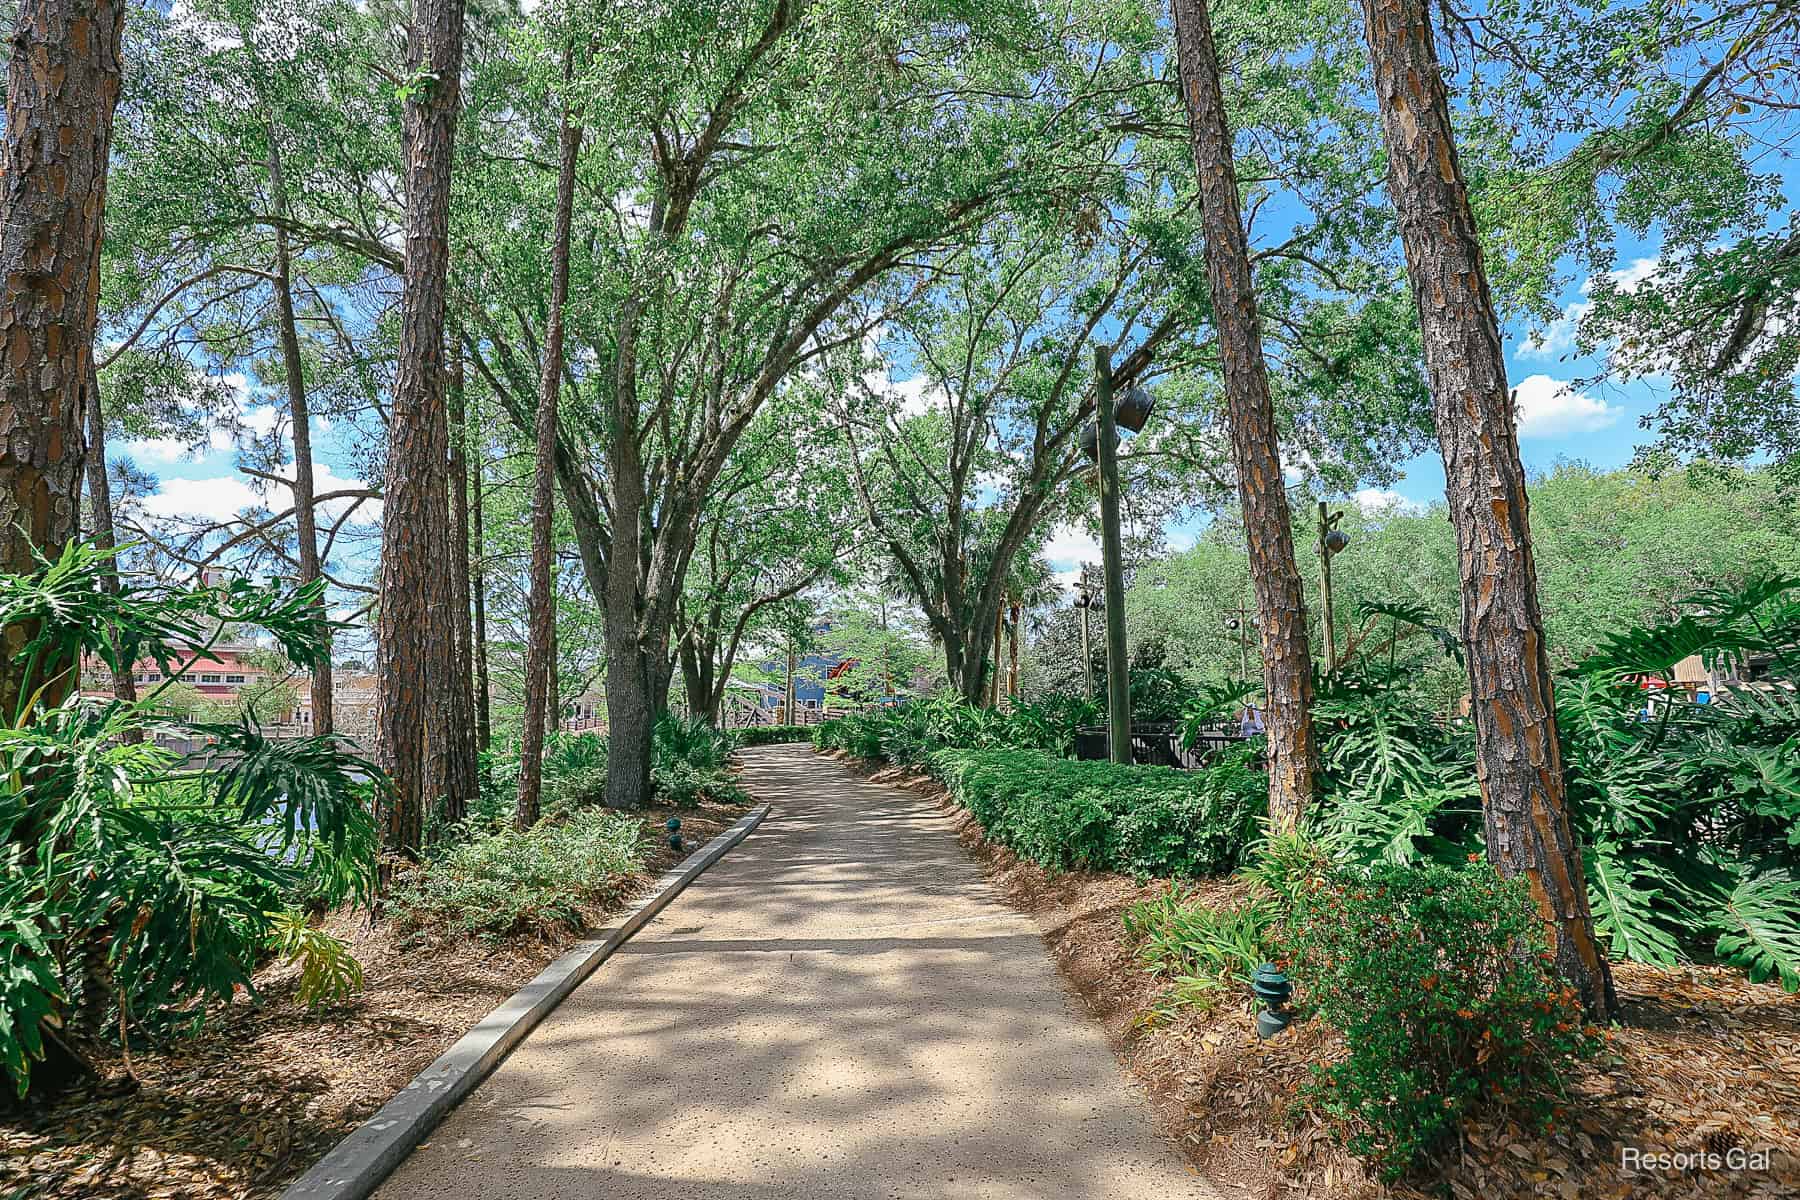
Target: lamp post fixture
<point>1273,990</point>
<point>1332,541</point>
<point>1241,621</point>
<point>1130,413</point>
<point>1087,599</point>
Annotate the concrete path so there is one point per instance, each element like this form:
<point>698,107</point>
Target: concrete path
<point>840,1008</point>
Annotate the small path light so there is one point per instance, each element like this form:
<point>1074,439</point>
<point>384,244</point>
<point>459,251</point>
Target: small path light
<point>673,825</point>
<point>1273,989</point>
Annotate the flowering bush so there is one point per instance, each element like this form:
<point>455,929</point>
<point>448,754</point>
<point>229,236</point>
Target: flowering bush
<point>1439,981</point>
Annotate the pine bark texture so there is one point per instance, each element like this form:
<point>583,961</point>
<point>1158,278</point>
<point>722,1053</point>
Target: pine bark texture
<point>410,528</point>
<point>540,646</point>
<point>1256,454</point>
<point>1518,760</point>
<point>300,417</point>
<point>62,87</point>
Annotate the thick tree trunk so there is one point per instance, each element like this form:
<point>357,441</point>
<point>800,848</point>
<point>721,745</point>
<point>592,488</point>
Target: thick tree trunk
<point>461,783</point>
<point>540,646</point>
<point>410,581</point>
<point>62,86</point>
<point>100,503</point>
<point>630,715</point>
<point>300,417</point>
<point>1518,760</point>
<point>1280,596</point>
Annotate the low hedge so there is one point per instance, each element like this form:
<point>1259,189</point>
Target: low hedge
<point>769,735</point>
<point>1141,820</point>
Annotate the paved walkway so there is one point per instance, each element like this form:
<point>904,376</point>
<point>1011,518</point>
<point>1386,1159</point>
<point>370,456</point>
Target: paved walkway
<point>841,1007</point>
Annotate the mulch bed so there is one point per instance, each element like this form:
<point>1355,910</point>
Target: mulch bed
<point>241,1110</point>
<point>1704,1062</point>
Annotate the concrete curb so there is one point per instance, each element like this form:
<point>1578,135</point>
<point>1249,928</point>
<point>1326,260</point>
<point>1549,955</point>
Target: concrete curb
<point>356,1166</point>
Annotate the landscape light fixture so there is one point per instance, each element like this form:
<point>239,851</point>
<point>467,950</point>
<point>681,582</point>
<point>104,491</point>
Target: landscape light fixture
<point>1273,989</point>
<point>673,825</point>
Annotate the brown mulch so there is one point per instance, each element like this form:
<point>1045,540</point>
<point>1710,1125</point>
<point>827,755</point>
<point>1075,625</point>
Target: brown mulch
<point>1703,1062</point>
<point>241,1110</point>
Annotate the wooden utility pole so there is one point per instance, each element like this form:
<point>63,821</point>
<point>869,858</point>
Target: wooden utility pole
<point>1255,450</point>
<point>1118,677</point>
<point>1517,755</point>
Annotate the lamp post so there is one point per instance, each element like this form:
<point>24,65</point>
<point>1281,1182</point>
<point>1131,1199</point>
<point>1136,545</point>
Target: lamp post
<point>1131,414</point>
<point>1241,621</point>
<point>1086,600</point>
<point>1332,541</point>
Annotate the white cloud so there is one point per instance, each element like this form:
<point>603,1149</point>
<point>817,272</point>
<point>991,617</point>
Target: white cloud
<point>1558,337</point>
<point>161,450</point>
<point>1382,500</point>
<point>326,480</point>
<point>1629,279</point>
<point>1549,408</point>
<point>916,396</point>
<point>1178,541</point>
<point>209,499</point>
<point>222,498</point>
<point>1070,545</point>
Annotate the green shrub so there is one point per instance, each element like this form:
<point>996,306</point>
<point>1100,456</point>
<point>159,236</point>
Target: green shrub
<point>693,741</point>
<point>683,785</point>
<point>770,735</point>
<point>1147,821</point>
<point>1201,949</point>
<point>1439,982</point>
<point>533,882</point>
<point>829,734</point>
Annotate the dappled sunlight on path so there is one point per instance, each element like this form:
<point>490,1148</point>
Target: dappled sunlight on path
<point>840,1007</point>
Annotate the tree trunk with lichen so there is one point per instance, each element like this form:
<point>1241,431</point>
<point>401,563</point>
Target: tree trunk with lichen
<point>1256,453</point>
<point>1518,759</point>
